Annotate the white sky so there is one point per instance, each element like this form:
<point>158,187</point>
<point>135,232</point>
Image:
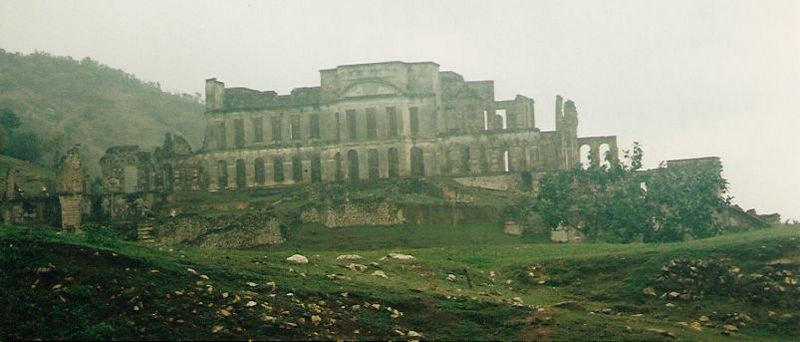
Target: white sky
<point>684,78</point>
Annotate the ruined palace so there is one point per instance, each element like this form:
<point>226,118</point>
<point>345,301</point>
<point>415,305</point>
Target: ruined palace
<point>363,122</point>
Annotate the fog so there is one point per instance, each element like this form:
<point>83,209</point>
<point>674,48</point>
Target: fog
<point>684,78</point>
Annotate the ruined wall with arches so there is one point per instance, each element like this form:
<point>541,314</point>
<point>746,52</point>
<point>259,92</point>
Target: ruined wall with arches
<point>598,151</point>
<point>364,122</point>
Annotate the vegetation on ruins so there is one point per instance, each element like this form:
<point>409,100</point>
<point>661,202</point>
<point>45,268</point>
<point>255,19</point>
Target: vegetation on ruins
<point>620,202</point>
<point>59,101</point>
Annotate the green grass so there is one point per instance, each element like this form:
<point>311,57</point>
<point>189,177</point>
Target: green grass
<point>596,276</point>
<point>315,237</point>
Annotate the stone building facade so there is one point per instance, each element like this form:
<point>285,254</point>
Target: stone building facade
<point>365,121</point>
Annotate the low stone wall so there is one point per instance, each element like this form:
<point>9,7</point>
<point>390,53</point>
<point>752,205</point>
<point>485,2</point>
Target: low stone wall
<point>226,232</point>
<point>500,182</point>
<point>37,210</point>
<point>351,214</point>
<point>390,214</point>
<point>450,214</point>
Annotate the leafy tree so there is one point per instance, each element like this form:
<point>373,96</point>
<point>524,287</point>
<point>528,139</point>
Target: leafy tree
<point>25,146</point>
<point>9,120</point>
<point>621,203</point>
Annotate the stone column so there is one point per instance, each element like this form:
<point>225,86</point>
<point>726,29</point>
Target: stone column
<point>71,187</point>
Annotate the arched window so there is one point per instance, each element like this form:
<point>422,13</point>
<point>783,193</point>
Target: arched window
<point>222,174</point>
<point>261,176</point>
<point>131,180</point>
<point>297,169</point>
<point>316,169</point>
<point>417,162</point>
<point>394,162</point>
<point>605,155</point>
<point>352,165</point>
<point>337,160</point>
<point>372,163</point>
<point>464,159</point>
<point>277,172</point>
<point>241,174</point>
<point>585,152</point>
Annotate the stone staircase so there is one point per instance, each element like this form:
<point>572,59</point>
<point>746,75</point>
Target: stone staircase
<point>144,233</point>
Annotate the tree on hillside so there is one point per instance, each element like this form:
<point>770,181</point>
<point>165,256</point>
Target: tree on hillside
<point>25,146</point>
<point>9,119</point>
<point>621,203</point>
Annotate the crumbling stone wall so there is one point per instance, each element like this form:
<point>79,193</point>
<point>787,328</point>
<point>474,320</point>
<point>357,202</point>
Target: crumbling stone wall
<point>72,187</point>
<point>351,214</point>
<point>386,213</point>
<point>500,182</point>
<point>225,232</point>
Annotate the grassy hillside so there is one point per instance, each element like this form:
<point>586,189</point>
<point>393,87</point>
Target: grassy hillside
<point>92,104</point>
<point>95,287</point>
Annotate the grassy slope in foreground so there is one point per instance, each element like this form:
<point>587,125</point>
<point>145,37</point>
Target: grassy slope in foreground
<point>94,287</point>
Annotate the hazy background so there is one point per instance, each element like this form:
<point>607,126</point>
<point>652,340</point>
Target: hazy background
<point>684,78</point>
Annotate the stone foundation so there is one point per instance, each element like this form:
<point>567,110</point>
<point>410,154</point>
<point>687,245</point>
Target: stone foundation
<point>224,232</point>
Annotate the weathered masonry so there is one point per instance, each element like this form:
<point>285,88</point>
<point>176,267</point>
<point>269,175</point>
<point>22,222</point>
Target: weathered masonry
<point>365,121</point>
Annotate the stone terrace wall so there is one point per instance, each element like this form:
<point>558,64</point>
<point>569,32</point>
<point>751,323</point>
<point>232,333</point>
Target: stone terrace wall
<point>225,232</point>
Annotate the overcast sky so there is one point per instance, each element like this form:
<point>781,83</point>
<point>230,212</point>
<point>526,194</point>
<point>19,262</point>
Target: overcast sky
<point>684,78</point>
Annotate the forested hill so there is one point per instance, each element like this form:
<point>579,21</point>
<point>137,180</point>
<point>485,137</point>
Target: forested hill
<point>65,101</point>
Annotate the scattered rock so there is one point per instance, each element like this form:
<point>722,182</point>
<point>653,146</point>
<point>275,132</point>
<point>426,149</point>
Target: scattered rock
<point>569,305</point>
<point>251,304</point>
<point>204,276</point>
<point>517,301</point>
<point>401,257</point>
<point>349,257</point>
<point>661,332</point>
<point>380,274</point>
<point>691,279</point>
<point>251,284</point>
<point>412,333</point>
<point>216,329</point>
<point>451,277</point>
<point>696,326</point>
<point>357,267</point>
<point>191,270</point>
<point>297,259</point>
<point>315,319</point>
<point>42,270</point>
<point>730,327</point>
<point>649,291</point>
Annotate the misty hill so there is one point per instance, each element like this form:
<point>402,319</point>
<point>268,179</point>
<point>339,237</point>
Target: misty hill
<point>85,102</point>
